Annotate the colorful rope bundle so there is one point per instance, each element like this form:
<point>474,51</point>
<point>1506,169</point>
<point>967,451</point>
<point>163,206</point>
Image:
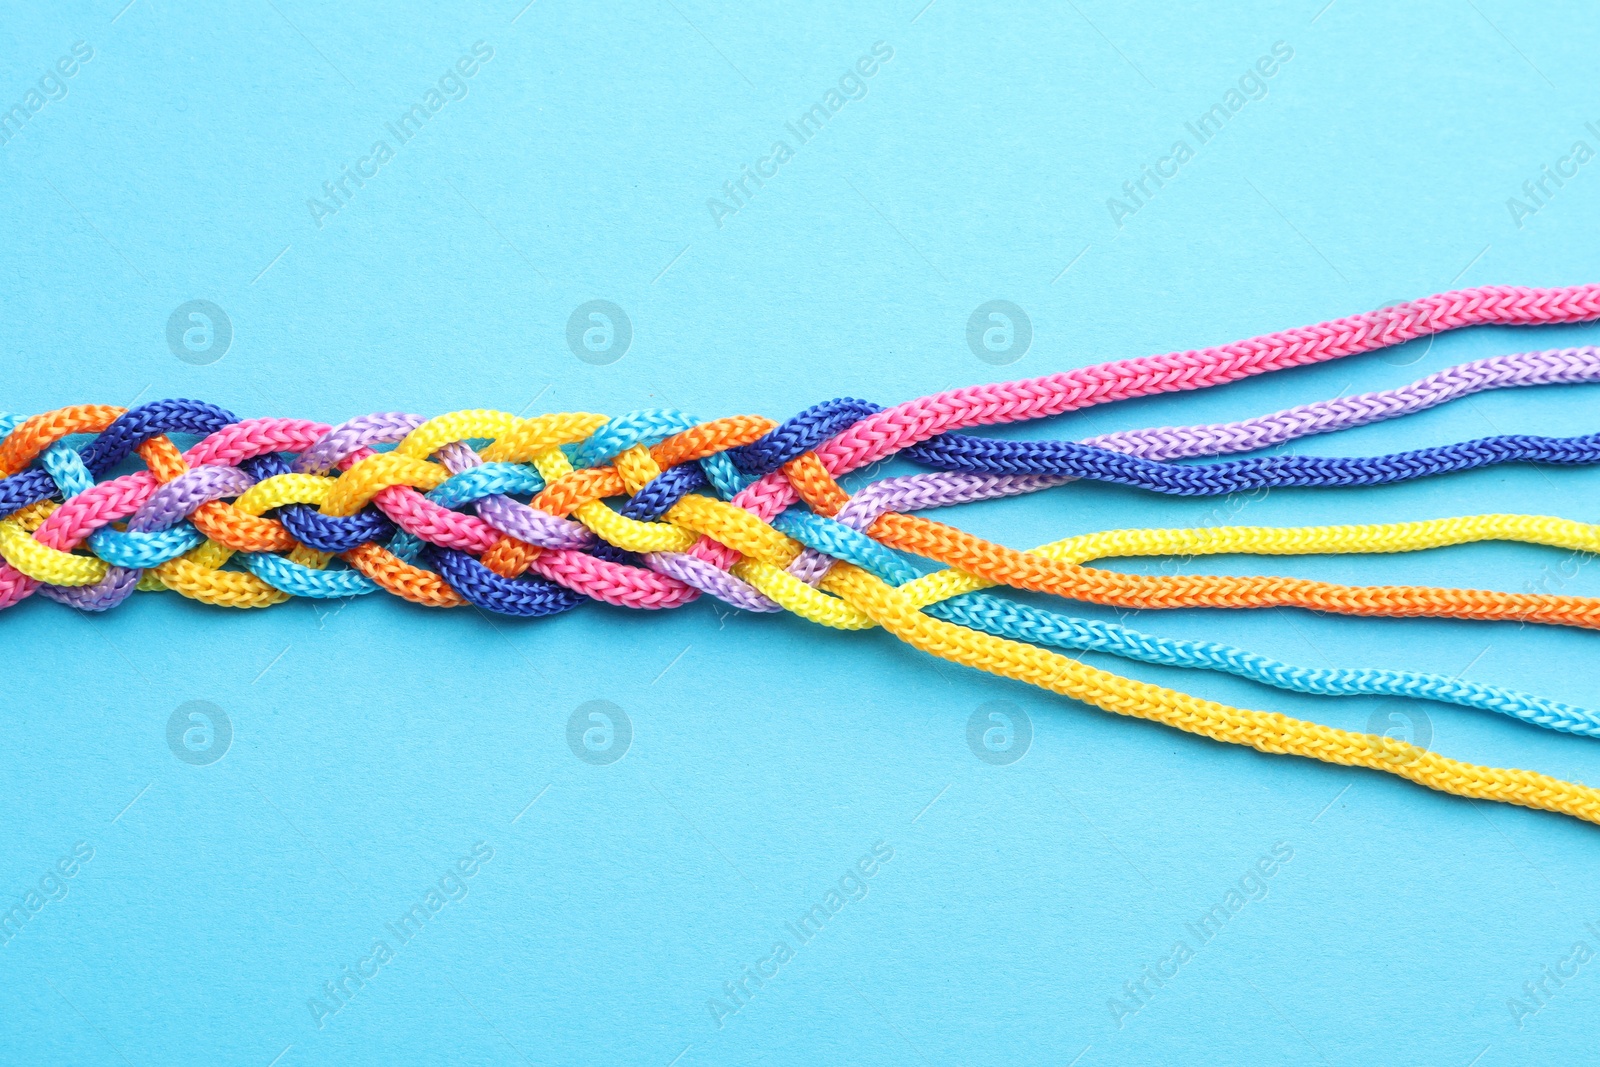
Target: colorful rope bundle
<point>510,515</point>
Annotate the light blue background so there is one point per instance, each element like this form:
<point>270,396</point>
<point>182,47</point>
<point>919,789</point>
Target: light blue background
<point>375,743</point>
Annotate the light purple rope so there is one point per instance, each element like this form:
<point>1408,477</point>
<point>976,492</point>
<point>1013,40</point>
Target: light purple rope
<point>691,570</point>
<point>513,517</point>
<point>914,493</point>
<point>357,433</point>
<point>1562,366</point>
<point>118,584</point>
<point>940,489</point>
<point>172,501</point>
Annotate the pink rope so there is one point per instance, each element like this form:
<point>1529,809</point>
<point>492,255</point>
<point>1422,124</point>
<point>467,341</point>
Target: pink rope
<point>913,422</point>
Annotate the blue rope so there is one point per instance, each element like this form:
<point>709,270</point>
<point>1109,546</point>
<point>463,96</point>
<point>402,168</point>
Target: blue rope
<point>1035,626</point>
<point>981,455</point>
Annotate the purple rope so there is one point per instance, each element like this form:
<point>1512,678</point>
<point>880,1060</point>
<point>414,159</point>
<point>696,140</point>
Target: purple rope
<point>512,516</point>
<point>172,501</point>
<point>103,595</point>
<point>917,492</point>
<point>691,570</point>
<point>1563,366</point>
<point>942,489</point>
<point>532,525</point>
<point>167,506</point>
<point>347,437</point>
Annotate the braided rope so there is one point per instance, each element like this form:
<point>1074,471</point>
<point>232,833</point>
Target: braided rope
<point>708,510</point>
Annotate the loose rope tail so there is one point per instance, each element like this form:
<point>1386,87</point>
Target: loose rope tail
<point>1560,366</point>
<point>1264,731</point>
<point>1056,568</point>
<point>953,597</point>
<point>900,427</point>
